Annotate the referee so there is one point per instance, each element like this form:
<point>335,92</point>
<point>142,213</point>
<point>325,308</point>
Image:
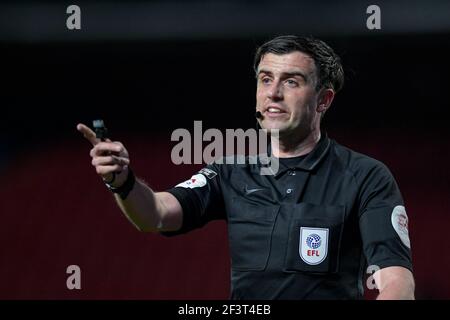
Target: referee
<point>314,228</point>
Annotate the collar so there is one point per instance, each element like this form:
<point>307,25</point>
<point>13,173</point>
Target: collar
<point>313,158</point>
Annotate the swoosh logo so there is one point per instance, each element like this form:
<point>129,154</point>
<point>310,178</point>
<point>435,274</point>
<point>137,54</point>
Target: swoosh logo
<point>250,191</point>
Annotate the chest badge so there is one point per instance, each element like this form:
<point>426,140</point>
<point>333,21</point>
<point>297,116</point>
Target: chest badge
<point>313,245</point>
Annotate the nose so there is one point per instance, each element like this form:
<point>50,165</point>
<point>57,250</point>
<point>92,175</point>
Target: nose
<point>275,91</point>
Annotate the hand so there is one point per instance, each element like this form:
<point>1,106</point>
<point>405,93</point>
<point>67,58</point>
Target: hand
<point>108,157</point>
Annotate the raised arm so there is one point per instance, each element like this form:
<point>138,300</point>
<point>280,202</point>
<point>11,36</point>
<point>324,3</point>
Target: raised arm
<point>147,210</point>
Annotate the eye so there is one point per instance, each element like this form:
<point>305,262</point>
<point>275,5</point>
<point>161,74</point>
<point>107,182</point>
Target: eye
<point>292,83</point>
<point>265,80</point>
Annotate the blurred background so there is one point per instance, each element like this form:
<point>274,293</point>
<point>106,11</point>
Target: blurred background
<point>149,67</point>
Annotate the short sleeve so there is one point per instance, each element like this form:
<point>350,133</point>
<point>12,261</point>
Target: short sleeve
<point>200,198</point>
<point>383,220</point>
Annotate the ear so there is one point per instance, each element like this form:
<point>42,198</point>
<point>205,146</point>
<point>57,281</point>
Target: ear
<point>324,100</point>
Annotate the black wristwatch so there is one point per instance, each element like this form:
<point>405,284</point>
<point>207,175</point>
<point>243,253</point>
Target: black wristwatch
<point>126,187</point>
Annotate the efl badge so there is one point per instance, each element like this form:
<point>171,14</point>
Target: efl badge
<point>313,246</point>
<point>195,181</point>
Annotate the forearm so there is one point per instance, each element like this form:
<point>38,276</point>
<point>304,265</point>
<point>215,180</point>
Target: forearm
<point>151,211</point>
<point>142,207</point>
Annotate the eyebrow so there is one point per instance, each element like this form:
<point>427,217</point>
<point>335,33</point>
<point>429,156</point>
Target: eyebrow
<point>288,74</point>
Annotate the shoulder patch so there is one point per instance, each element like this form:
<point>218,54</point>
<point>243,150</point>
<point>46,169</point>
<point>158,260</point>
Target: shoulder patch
<point>208,173</point>
<point>399,221</point>
<point>196,181</point>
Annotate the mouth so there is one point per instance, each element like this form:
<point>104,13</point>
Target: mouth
<point>274,111</point>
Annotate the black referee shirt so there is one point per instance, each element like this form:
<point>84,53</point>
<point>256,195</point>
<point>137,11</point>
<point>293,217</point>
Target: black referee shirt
<point>307,232</point>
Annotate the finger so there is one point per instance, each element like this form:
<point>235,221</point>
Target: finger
<point>103,148</point>
<point>110,160</point>
<point>88,133</point>
<point>119,143</point>
<point>106,170</point>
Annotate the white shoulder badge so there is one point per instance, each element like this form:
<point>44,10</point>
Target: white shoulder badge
<point>399,221</point>
<point>313,246</point>
<point>196,181</point>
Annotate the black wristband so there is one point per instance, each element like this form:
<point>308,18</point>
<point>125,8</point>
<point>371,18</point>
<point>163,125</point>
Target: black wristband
<point>112,179</point>
<point>126,187</point>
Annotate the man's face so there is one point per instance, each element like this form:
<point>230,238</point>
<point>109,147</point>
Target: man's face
<point>286,94</point>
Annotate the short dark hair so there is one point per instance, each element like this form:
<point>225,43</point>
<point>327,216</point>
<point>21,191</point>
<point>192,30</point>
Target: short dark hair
<point>328,64</point>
